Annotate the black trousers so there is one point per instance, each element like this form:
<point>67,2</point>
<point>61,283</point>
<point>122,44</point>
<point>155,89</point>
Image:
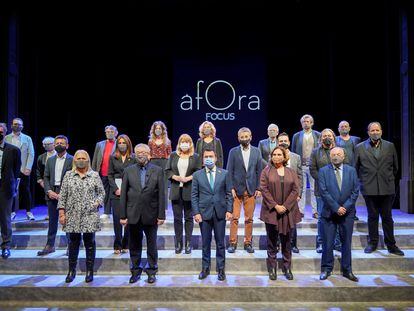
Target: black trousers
<point>380,205</point>
<point>272,235</point>
<point>5,220</point>
<point>135,247</point>
<point>90,248</point>
<point>107,201</point>
<point>121,240</point>
<point>53,219</point>
<point>25,194</point>
<point>179,207</point>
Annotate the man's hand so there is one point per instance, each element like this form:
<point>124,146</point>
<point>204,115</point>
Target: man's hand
<point>257,194</point>
<point>52,195</point>
<point>280,209</point>
<point>160,221</point>
<point>177,178</point>
<point>229,216</point>
<point>41,183</point>
<point>341,211</point>
<point>233,193</point>
<point>123,222</point>
<point>118,192</point>
<point>197,218</point>
<point>27,171</point>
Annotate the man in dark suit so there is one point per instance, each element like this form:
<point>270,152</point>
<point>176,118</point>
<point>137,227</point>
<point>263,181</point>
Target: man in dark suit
<point>142,205</point>
<point>55,169</point>
<point>339,189</point>
<point>376,162</point>
<point>267,145</point>
<point>244,167</point>
<point>212,205</point>
<point>10,162</point>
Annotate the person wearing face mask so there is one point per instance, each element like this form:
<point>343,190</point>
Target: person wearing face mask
<point>338,187</point>
<point>244,166</point>
<point>118,162</point>
<point>10,164</point>
<point>267,145</point>
<point>81,195</point>
<point>142,205</point>
<point>319,158</point>
<point>280,211</point>
<point>376,162</point>
<point>25,144</point>
<point>100,163</point>
<point>212,206</point>
<point>208,140</point>
<point>179,170</point>
<point>55,169</point>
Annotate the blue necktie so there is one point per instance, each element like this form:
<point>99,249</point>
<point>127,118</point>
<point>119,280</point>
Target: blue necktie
<point>211,179</point>
<point>142,177</point>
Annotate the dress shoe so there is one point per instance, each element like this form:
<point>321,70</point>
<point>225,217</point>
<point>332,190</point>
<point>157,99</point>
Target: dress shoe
<point>5,253</point>
<point>315,215</point>
<point>232,248</point>
<point>89,276</point>
<point>188,248</point>
<point>288,274</point>
<point>356,218</point>
<point>395,250</point>
<point>350,276</point>
<point>151,278</point>
<point>369,249</point>
<point>319,249</point>
<point>221,275</point>
<point>272,274</point>
<point>295,249</point>
<point>324,275</point>
<point>71,275</point>
<point>249,248</point>
<point>47,250</point>
<point>30,216</point>
<point>135,276</point>
<point>203,274</point>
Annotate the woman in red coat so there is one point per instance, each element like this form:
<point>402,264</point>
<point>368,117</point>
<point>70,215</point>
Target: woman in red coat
<point>280,211</point>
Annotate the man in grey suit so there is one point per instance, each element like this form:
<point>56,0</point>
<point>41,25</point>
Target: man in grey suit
<point>303,143</point>
<point>267,145</point>
<point>55,169</point>
<point>376,162</point>
<point>295,163</point>
<point>212,205</point>
<point>100,163</point>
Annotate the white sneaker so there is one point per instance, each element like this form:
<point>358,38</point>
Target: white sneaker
<point>104,216</point>
<point>30,216</point>
<point>13,215</point>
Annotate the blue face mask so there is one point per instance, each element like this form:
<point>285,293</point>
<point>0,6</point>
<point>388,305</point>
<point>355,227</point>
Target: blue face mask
<point>209,163</point>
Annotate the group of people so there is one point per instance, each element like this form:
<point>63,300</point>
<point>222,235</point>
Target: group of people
<point>132,184</point>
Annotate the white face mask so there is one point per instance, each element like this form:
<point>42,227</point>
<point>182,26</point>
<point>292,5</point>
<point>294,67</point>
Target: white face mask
<point>184,146</point>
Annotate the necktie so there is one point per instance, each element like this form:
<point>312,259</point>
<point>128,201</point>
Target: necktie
<point>338,177</point>
<point>211,179</point>
<point>142,177</point>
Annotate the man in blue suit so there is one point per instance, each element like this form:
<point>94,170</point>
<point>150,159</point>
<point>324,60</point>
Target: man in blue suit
<point>339,188</point>
<point>212,205</point>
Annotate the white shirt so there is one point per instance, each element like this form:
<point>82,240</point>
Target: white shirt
<point>60,161</point>
<point>213,170</point>
<point>182,166</point>
<point>246,156</point>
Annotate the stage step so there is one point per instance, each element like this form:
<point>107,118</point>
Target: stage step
<point>307,261</point>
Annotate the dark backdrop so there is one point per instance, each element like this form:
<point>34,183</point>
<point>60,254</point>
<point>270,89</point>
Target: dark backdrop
<point>87,65</point>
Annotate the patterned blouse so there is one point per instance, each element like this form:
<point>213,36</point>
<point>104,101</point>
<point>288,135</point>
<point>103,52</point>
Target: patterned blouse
<point>79,197</point>
<point>162,151</point>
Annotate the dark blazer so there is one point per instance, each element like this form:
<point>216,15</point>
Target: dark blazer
<point>146,204</point>
<point>297,141</point>
<point>10,170</point>
<point>377,174</point>
<point>205,200</point>
<point>49,176</point>
<point>264,148</point>
<point>98,155</point>
<point>332,197</point>
<point>171,169</point>
<point>242,178</point>
<point>40,166</point>
<point>218,148</point>
<point>116,170</point>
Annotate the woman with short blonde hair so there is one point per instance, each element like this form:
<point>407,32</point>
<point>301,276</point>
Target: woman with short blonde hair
<point>208,140</point>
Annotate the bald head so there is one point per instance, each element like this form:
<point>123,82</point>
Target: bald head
<point>344,128</point>
<point>337,155</point>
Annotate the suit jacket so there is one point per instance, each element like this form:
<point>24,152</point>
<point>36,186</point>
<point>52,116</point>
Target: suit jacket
<point>242,178</point>
<point>295,163</point>
<point>98,155</point>
<point>116,170</point>
<point>217,147</point>
<point>332,196</point>
<point>205,200</point>
<point>297,141</point>
<point>49,176</point>
<point>26,150</point>
<point>377,174</point>
<point>10,170</point>
<point>40,166</point>
<point>143,204</point>
<point>171,169</point>
<point>264,148</point>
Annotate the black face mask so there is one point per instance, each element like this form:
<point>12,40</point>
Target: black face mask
<point>327,141</point>
<point>284,145</point>
<point>244,142</point>
<point>60,148</point>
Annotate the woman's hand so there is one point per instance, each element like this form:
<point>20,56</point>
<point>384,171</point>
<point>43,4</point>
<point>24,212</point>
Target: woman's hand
<point>62,219</point>
<point>280,209</point>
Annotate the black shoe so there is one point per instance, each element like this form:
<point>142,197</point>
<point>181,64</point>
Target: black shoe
<point>272,274</point>
<point>232,248</point>
<point>288,274</point>
<point>203,274</point>
<point>395,250</point>
<point>151,278</point>
<point>356,218</point>
<point>324,275</point>
<point>249,248</point>
<point>319,249</point>
<point>295,249</point>
<point>221,275</point>
<point>370,249</point>
<point>5,253</point>
<point>188,247</point>
<point>47,250</point>
<point>178,247</point>
<point>135,276</point>
<point>71,275</point>
<point>89,276</point>
<point>350,276</point>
